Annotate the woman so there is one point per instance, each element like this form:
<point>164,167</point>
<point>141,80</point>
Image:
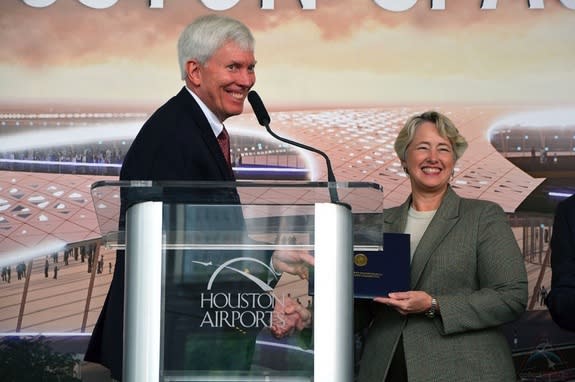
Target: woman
<point>467,274</point>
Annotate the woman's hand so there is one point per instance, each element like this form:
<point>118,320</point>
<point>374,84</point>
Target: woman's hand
<point>412,302</point>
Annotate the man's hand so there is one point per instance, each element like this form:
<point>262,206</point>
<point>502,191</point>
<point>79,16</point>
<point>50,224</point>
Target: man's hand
<point>289,316</point>
<point>296,262</point>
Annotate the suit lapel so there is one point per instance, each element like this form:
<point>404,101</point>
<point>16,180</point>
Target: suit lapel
<point>446,217</point>
<point>217,154</point>
<point>396,219</point>
<point>207,134</point>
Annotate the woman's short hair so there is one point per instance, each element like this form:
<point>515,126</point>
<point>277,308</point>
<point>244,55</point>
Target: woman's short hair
<point>445,127</point>
<point>200,39</point>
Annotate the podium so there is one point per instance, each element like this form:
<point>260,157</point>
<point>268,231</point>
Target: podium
<point>201,289</point>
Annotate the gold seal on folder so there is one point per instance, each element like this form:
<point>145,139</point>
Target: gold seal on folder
<point>360,259</point>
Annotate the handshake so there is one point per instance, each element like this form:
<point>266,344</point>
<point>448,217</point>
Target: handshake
<point>289,315</point>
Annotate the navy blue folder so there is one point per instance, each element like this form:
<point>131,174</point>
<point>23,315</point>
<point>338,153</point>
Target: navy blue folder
<point>377,273</point>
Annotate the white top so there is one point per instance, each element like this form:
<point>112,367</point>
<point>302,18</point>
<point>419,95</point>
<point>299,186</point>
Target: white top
<point>417,222</point>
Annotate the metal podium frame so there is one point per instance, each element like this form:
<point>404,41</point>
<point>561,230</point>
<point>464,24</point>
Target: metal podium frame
<point>144,238</point>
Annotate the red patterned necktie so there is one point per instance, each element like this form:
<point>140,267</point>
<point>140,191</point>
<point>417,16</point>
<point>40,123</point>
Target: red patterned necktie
<point>224,141</point>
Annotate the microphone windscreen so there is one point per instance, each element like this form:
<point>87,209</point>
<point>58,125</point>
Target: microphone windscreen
<point>259,108</point>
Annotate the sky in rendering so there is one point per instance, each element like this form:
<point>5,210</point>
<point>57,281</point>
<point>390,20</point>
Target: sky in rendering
<point>345,52</point>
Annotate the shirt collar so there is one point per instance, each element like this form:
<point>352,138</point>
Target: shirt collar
<point>215,124</point>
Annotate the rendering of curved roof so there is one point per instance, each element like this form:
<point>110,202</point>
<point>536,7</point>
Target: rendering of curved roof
<point>39,210</point>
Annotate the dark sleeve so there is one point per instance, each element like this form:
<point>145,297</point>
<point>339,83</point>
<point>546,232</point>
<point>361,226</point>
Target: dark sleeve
<point>561,298</point>
<point>362,314</point>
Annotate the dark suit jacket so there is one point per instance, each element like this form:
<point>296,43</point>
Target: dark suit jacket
<point>175,143</point>
<point>469,260</point>
<point>561,298</point>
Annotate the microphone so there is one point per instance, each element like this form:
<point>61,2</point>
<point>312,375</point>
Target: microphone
<point>264,120</point>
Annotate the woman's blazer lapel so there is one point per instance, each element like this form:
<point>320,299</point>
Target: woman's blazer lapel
<point>446,217</point>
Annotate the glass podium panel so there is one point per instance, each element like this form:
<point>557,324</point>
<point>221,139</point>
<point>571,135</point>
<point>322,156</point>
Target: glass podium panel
<point>214,281</point>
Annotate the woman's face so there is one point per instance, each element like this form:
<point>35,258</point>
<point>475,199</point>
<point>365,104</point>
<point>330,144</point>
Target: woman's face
<point>429,159</point>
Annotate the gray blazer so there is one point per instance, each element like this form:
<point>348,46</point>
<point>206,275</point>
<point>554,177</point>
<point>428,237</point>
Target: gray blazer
<point>469,260</point>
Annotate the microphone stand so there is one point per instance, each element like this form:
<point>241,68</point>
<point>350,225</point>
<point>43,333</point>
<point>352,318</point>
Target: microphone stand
<point>264,120</point>
<point>332,187</point>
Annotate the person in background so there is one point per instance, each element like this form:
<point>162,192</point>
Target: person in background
<point>561,298</point>
<point>185,140</point>
<point>467,274</point>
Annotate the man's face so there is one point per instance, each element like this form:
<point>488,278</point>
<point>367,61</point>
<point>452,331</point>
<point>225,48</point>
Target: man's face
<point>224,81</point>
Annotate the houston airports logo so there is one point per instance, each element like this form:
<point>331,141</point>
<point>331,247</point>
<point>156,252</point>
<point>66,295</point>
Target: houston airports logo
<point>237,309</point>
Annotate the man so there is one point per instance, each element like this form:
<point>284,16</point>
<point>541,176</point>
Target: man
<point>561,298</point>
<point>180,141</point>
